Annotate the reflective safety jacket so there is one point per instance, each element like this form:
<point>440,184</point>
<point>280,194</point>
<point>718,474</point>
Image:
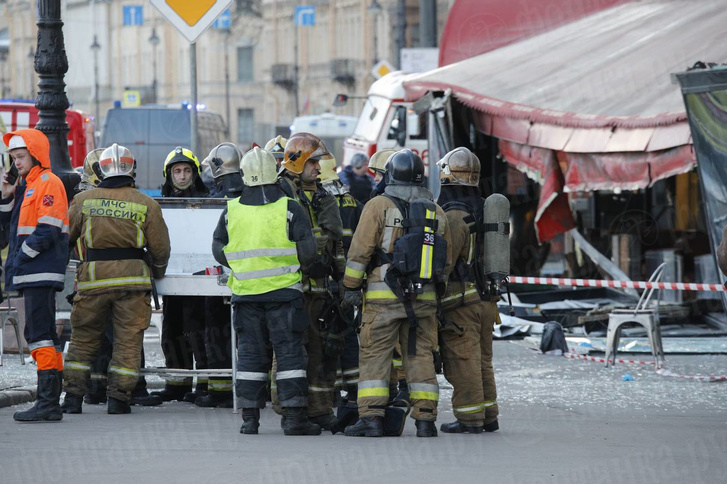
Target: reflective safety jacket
<point>259,252</point>
<point>38,220</point>
<point>379,227</point>
<point>117,218</point>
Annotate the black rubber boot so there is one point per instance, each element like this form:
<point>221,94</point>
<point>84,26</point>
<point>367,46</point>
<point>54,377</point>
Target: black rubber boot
<point>72,403</point>
<point>143,398</point>
<point>47,407</point>
<point>345,416</point>
<point>173,392</point>
<point>200,391</point>
<point>426,428</point>
<point>326,422</point>
<point>117,407</point>
<point>93,399</point>
<point>402,396</point>
<point>366,427</point>
<point>250,421</point>
<point>215,399</point>
<point>295,422</point>
<point>492,426</point>
<point>458,427</point>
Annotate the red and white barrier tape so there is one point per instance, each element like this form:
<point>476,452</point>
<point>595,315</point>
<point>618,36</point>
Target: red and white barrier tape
<point>659,371</point>
<point>669,286</point>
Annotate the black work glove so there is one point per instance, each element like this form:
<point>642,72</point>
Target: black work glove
<point>333,343</point>
<point>69,297</point>
<point>351,298</point>
<point>320,268</point>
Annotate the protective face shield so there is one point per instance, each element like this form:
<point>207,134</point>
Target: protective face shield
<point>116,161</point>
<point>180,155</point>
<point>459,167</point>
<point>259,168</point>
<point>224,159</point>
<point>300,148</point>
<point>328,170</point>
<point>91,175</point>
<point>377,163</point>
<point>404,168</point>
<point>276,146</point>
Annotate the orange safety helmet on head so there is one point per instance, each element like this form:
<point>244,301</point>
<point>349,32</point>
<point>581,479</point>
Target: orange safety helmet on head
<point>302,147</point>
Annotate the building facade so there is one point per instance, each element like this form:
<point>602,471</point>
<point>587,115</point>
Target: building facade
<point>247,63</point>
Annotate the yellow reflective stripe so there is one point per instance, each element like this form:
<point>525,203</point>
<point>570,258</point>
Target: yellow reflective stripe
<point>425,268</point>
<point>79,248</point>
<point>471,253</point>
<point>397,362</point>
<point>139,235</point>
<point>121,209</point>
<point>390,295</point>
<point>353,273</point>
<point>119,281</point>
<point>458,295</point>
<point>373,392</point>
<point>89,239</point>
<point>420,395</point>
<point>490,403</point>
<point>470,409</point>
<point>92,271</point>
<point>76,365</point>
<point>123,371</point>
<point>312,388</point>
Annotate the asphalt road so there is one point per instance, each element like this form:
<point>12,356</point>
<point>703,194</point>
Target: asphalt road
<point>561,421</point>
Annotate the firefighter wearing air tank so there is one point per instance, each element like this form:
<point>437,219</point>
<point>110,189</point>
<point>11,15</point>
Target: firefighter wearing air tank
<point>112,226</point>
<point>265,238</point>
<point>470,306</point>
<point>299,179</point>
<point>224,163</point>
<point>402,248</point>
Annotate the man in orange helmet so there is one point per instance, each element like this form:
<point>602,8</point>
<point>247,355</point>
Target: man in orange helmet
<point>37,213</point>
<point>300,169</point>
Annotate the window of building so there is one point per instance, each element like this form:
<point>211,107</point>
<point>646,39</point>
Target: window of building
<point>245,126</point>
<point>244,64</point>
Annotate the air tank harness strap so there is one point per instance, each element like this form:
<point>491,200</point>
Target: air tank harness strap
<point>496,227</point>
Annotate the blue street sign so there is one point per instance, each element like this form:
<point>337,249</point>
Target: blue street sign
<point>133,15</point>
<point>224,21</point>
<point>305,15</point>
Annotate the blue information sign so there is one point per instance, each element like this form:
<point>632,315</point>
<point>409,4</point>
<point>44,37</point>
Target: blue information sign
<point>133,15</point>
<point>224,21</point>
<point>305,15</point>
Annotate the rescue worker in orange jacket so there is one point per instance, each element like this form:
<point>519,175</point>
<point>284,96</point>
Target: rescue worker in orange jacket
<point>113,226</point>
<point>37,212</point>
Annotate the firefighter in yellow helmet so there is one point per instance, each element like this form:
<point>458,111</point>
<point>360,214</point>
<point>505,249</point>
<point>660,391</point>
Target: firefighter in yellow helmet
<point>401,250</point>
<point>91,175</point>
<point>466,337</point>
<point>377,164</point>
<point>299,172</point>
<point>265,238</point>
<point>276,147</point>
<point>113,278</point>
<point>183,318</point>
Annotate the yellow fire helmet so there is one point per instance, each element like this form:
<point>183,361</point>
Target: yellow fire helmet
<point>377,163</point>
<point>459,167</point>
<point>328,170</point>
<point>302,147</point>
<point>276,147</point>
<point>180,155</point>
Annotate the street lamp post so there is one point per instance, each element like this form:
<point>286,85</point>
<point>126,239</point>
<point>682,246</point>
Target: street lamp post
<point>95,48</point>
<point>154,41</point>
<point>375,10</point>
<point>31,59</point>
<point>51,64</point>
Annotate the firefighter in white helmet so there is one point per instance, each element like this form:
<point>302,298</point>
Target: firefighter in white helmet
<point>265,238</point>
<point>113,226</point>
<point>224,163</point>
<point>469,317</point>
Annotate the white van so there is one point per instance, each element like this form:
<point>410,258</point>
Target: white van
<point>331,128</point>
<point>387,121</point>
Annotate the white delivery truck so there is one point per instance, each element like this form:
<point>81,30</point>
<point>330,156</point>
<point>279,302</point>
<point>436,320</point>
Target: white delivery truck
<point>331,128</point>
<point>387,121</point>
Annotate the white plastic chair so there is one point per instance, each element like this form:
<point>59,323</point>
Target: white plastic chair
<point>648,318</point>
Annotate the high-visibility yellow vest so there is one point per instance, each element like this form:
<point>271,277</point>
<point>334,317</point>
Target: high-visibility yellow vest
<point>259,252</point>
